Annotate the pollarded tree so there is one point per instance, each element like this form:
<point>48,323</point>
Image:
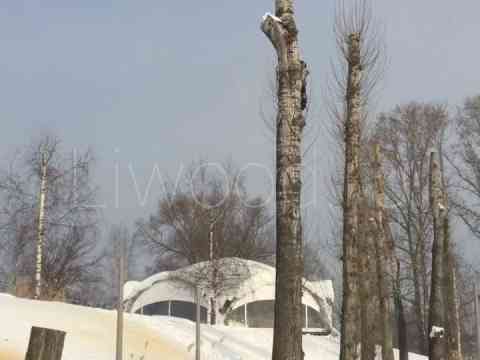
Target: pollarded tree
<point>359,67</point>
<point>282,31</point>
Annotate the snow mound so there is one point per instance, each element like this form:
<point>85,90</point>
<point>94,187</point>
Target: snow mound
<point>90,331</point>
<point>91,335</point>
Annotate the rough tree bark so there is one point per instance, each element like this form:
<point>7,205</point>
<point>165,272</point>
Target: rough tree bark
<point>291,76</point>
<point>367,286</point>
<point>41,227</point>
<point>384,260</point>
<point>452,322</point>
<point>351,203</point>
<point>401,321</point>
<point>437,347</point>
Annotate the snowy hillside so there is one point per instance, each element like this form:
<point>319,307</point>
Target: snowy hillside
<point>90,335</point>
<point>90,332</point>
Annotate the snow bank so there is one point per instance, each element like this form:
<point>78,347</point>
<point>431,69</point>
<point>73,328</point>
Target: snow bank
<point>90,332</point>
<point>91,335</point>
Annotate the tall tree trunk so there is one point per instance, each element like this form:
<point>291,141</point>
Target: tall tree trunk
<point>416,246</point>
<point>41,227</point>
<point>291,76</point>
<point>351,198</point>
<point>401,321</point>
<point>368,300</point>
<point>214,285</point>
<point>437,315</point>
<point>418,304</point>
<point>452,317</point>
<point>452,322</point>
<point>384,261</point>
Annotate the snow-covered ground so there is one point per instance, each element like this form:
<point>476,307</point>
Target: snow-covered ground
<point>91,335</point>
<point>90,332</point>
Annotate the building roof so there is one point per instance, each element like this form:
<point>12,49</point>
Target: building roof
<point>239,281</point>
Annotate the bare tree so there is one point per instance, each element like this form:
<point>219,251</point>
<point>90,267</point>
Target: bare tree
<point>68,249</point>
<point>406,135</point>
<point>119,238</point>
<point>358,69</point>
<point>465,162</point>
<point>179,232</point>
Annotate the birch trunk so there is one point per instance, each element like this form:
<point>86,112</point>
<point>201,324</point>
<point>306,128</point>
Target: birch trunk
<point>41,228</point>
<point>437,316</point>
<point>384,261</point>
<point>351,198</point>
<point>291,77</point>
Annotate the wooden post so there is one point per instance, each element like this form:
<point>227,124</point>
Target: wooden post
<point>45,344</point>
<point>197,325</point>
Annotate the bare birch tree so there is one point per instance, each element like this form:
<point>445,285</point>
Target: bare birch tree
<point>68,234</point>
<point>292,73</point>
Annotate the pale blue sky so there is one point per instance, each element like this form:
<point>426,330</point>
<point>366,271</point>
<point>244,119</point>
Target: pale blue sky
<point>169,81</point>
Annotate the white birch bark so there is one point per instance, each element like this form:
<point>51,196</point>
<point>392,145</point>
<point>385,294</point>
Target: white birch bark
<point>41,228</point>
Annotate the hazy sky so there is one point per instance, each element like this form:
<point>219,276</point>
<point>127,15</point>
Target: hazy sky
<point>168,81</point>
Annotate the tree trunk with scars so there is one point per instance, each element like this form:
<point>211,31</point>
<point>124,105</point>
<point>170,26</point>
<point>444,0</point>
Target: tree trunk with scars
<point>368,300</point>
<point>292,72</point>
<point>41,228</point>
<point>437,315</point>
<point>452,322</point>
<point>384,260</point>
<point>351,199</point>
<point>454,349</point>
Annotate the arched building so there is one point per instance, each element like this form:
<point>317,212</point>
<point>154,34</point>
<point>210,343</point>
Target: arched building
<point>245,293</point>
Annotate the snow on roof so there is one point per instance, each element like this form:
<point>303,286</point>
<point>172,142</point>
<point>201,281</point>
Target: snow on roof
<point>242,281</point>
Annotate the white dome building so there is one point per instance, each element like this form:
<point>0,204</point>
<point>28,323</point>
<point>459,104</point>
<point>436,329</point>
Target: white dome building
<point>245,293</point>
